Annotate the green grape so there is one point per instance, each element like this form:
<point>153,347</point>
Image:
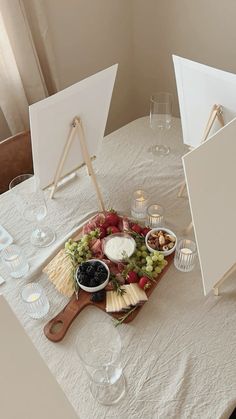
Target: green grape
<point>89,255</point>
<point>67,245</point>
<point>158,269</point>
<point>160,257</point>
<point>150,262</point>
<point>154,258</point>
<point>139,254</point>
<point>143,248</point>
<point>155,275</point>
<point>86,248</point>
<point>144,254</point>
<point>93,233</point>
<point>149,268</point>
<point>79,260</point>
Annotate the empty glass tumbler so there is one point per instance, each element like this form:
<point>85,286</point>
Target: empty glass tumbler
<point>160,119</point>
<point>15,261</point>
<point>98,346</point>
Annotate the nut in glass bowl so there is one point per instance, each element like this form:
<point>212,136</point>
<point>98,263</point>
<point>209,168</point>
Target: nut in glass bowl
<point>161,239</point>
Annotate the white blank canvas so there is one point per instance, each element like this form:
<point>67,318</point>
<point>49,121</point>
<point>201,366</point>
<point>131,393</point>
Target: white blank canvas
<point>51,119</point>
<point>199,88</point>
<point>210,172</point>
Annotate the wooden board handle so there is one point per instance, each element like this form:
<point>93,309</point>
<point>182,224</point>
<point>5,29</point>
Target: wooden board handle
<point>56,328</point>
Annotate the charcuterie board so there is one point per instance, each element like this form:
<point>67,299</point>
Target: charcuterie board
<point>56,329</point>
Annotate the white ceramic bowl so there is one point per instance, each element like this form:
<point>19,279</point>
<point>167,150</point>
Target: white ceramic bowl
<point>99,287</point>
<point>166,230</point>
<point>110,237</point>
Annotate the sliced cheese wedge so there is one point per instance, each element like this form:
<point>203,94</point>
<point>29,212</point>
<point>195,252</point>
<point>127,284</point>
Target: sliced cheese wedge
<point>132,295</point>
<point>115,302</point>
<point>139,292</point>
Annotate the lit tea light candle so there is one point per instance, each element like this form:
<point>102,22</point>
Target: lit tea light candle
<point>154,215</point>
<point>186,252</point>
<point>185,255</point>
<point>139,204</point>
<point>33,297</point>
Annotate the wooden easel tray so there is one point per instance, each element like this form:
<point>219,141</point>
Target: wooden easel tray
<point>56,328</point>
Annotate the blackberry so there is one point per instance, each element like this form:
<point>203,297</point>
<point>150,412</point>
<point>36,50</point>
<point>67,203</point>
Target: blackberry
<point>102,276</point>
<point>93,282</point>
<point>90,271</point>
<point>96,265</point>
<point>82,277</point>
<point>83,267</point>
<point>101,268</point>
<point>96,297</point>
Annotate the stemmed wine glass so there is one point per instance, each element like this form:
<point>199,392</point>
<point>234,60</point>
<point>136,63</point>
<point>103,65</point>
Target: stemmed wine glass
<point>98,347</point>
<point>31,204</point>
<point>160,119</point>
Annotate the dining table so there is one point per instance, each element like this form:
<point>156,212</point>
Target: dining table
<point>179,353</point>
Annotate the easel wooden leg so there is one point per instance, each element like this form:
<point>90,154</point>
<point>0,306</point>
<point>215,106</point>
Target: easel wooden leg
<point>222,280</point>
<point>63,159</point>
<point>215,113</point>
<point>89,164</point>
<point>181,190</point>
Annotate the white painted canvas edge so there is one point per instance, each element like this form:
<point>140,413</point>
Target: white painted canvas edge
<point>199,87</point>
<point>210,178</point>
<point>51,118</point>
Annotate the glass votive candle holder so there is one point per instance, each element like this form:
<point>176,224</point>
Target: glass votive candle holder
<point>185,255</point>
<point>35,300</point>
<point>139,204</point>
<point>154,216</point>
<point>15,261</point>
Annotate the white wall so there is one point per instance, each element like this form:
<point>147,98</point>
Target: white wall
<point>201,30</point>
<point>88,36</point>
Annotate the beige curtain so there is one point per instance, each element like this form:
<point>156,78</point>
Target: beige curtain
<point>21,77</point>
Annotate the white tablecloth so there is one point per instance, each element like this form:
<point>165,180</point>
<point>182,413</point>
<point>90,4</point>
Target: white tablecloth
<point>179,354</point>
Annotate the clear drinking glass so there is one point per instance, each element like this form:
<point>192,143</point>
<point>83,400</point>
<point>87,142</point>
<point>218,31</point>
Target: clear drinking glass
<point>139,204</point>
<point>14,259</point>
<point>185,255</point>
<point>155,216</point>
<point>35,301</point>
<point>160,119</point>
<point>31,203</point>
<point>98,346</point>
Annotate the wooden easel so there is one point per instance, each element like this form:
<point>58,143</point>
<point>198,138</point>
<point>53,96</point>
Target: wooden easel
<point>216,112</point>
<point>77,127</point>
<point>220,282</point>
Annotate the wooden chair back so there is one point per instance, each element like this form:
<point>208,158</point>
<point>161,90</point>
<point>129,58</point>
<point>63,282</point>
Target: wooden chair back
<point>15,158</point>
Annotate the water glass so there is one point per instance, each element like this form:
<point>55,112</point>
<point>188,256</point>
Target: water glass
<point>185,255</point>
<point>35,301</point>
<point>139,204</point>
<point>98,347</point>
<point>15,261</point>
<point>160,119</point>
<point>155,216</point>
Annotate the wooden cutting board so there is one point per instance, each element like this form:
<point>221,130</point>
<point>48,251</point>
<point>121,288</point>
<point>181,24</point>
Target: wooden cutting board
<point>56,328</point>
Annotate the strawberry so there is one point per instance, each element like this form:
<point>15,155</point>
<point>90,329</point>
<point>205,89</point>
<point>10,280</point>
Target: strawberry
<point>144,283</point>
<point>112,230</point>
<point>112,218</point>
<point>136,228</point>
<point>132,277</point>
<point>145,231</point>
